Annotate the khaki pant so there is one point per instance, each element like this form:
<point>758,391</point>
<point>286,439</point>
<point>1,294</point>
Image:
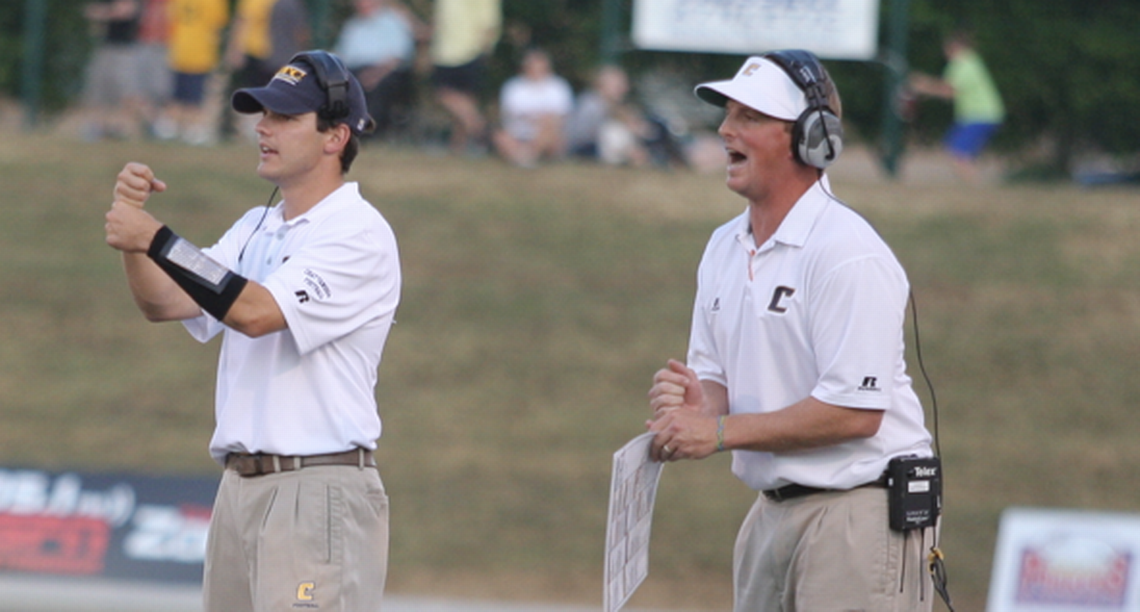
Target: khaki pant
<point>830,552</point>
<point>313,539</point>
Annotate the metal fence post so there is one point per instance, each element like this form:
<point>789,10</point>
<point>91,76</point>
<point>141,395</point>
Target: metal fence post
<point>35,15</point>
<point>895,63</point>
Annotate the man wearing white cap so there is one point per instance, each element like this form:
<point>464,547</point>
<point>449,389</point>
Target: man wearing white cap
<point>796,363</point>
<point>304,293</point>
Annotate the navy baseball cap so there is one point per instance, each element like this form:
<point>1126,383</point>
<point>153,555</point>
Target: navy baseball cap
<point>297,89</point>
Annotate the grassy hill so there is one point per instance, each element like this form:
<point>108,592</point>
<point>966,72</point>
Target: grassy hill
<point>537,305</point>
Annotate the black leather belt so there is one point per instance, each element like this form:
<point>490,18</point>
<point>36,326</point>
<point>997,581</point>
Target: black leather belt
<point>259,464</point>
<point>793,491</point>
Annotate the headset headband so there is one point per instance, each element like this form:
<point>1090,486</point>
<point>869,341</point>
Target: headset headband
<point>333,79</point>
<point>804,69</point>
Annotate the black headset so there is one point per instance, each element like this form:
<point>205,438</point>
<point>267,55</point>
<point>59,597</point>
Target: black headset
<point>333,78</point>
<point>817,137</point>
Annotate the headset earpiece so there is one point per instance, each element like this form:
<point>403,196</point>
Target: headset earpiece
<point>333,78</point>
<point>817,136</point>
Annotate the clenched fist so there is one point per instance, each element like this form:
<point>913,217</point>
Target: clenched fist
<point>130,228</point>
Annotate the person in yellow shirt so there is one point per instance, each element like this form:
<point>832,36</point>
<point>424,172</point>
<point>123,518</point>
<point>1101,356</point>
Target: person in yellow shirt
<point>264,35</point>
<point>464,34</point>
<point>249,45</point>
<point>194,53</point>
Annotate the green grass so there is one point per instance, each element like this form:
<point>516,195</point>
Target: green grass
<point>537,306</point>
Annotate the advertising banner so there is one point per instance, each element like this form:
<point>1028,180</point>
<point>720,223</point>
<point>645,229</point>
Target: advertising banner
<point>109,525</point>
<point>1052,560</point>
<point>832,29</point>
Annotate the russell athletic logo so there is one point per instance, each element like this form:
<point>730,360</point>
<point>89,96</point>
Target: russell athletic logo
<point>870,383</point>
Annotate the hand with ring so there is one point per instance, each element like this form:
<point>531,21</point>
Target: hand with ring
<point>683,435</point>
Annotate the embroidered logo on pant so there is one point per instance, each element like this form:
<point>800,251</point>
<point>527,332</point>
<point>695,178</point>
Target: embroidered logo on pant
<point>305,596</point>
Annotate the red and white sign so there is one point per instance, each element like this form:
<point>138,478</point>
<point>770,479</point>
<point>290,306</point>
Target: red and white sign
<point>1066,560</point>
<point>115,526</point>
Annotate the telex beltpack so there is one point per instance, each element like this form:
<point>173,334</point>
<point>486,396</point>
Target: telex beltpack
<point>915,486</point>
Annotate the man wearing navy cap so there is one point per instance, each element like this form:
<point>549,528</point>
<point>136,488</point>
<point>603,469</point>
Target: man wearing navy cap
<point>796,361</point>
<point>304,293</point>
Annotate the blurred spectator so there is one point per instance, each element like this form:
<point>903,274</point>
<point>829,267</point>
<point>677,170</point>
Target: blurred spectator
<point>155,77</point>
<point>533,106</point>
<point>604,125</point>
<point>264,35</point>
<point>113,100</point>
<point>249,44</point>
<point>464,34</point>
<point>378,45</point>
<point>195,49</point>
<point>978,107</point>
<point>289,32</point>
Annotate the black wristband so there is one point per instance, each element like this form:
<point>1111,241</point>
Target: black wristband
<point>210,284</point>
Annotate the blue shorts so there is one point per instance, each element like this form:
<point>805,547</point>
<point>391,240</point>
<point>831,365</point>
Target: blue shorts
<point>968,139</point>
<point>190,89</point>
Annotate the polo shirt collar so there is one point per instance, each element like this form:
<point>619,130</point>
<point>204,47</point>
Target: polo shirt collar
<point>797,225</point>
<point>333,202</point>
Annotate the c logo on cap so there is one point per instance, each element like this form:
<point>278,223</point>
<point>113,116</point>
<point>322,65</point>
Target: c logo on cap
<point>290,74</point>
<point>749,69</point>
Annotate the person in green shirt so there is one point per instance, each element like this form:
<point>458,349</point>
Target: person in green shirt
<point>978,107</point>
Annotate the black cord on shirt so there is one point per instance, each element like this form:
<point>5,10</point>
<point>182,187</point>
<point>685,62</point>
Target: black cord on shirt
<point>264,214</point>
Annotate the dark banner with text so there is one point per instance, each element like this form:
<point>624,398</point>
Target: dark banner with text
<point>111,525</point>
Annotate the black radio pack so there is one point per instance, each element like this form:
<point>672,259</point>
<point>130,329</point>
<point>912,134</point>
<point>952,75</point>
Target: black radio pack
<point>915,488</point>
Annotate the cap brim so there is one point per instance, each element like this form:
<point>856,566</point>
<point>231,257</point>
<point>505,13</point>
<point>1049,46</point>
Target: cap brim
<point>761,85</point>
<point>258,99</point>
<point>711,93</point>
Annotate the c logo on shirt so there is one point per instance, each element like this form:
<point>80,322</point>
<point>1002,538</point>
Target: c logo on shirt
<point>781,292</point>
<point>305,591</point>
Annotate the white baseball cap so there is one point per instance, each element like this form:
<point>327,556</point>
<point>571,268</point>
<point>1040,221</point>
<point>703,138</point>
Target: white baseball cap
<point>760,84</point>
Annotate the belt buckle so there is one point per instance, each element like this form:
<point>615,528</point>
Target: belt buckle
<point>248,465</point>
<point>259,467</point>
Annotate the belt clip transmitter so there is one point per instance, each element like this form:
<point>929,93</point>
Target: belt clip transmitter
<point>914,486</point>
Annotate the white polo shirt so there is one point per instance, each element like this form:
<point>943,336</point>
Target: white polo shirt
<point>522,101</point>
<point>817,310</point>
<point>309,389</point>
